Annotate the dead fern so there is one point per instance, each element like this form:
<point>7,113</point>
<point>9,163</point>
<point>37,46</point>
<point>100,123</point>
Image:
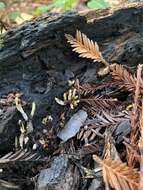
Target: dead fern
<point>89,49</point>
<point>20,155</point>
<point>86,89</point>
<point>90,89</point>
<point>100,102</point>
<point>123,78</point>
<point>93,127</point>
<point>133,152</point>
<point>118,174</point>
<point>86,47</point>
<point>135,117</point>
<point>89,133</point>
<point>140,145</point>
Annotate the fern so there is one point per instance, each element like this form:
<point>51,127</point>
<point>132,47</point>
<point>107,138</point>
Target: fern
<point>100,102</point>
<point>86,47</point>
<point>122,77</point>
<point>118,174</point>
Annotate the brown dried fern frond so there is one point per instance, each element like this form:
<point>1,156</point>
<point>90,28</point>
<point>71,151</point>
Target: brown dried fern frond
<point>100,102</point>
<point>20,155</point>
<point>86,89</point>
<point>93,127</point>
<point>135,114</point>
<point>89,49</point>
<point>86,47</point>
<point>132,152</point>
<point>90,89</point>
<point>123,78</point>
<point>118,174</point>
<point>140,145</point>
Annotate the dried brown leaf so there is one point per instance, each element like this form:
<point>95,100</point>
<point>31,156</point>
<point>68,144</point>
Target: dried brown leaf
<point>89,49</point>
<point>86,47</point>
<point>20,155</point>
<point>122,77</point>
<point>90,89</point>
<point>118,174</point>
<point>100,102</point>
<point>135,117</point>
<point>140,145</point>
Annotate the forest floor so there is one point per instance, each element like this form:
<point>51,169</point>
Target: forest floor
<point>71,109</point>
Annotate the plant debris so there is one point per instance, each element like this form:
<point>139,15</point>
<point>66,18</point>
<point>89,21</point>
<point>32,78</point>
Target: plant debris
<point>99,128</point>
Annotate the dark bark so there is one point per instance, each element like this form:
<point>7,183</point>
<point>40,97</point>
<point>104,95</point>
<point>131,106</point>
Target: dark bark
<point>61,175</point>
<point>37,47</point>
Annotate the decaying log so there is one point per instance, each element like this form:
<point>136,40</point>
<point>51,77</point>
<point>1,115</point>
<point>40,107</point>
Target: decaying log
<point>36,61</point>
<point>38,46</point>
